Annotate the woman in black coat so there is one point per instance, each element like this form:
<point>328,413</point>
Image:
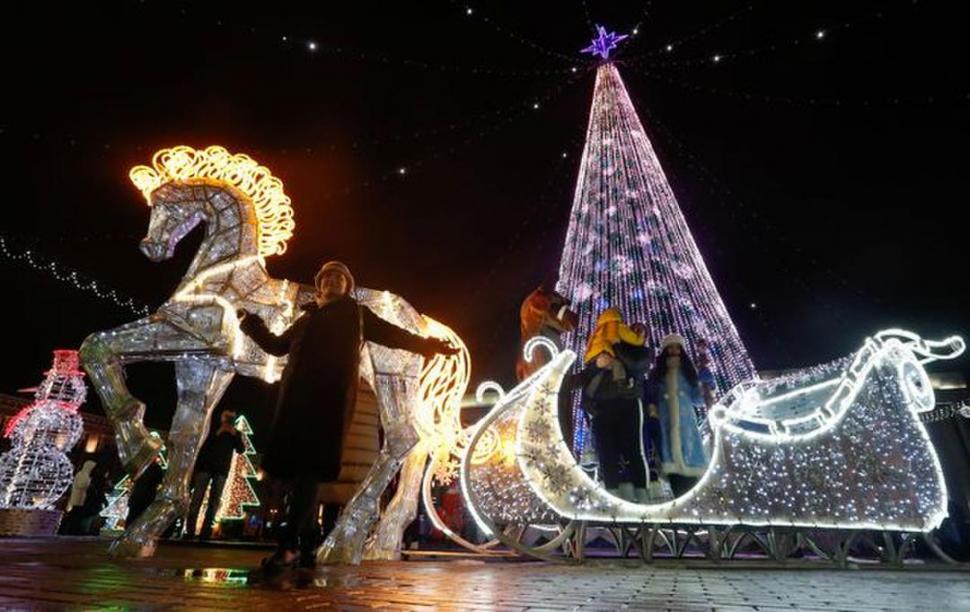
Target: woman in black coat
<point>317,393</point>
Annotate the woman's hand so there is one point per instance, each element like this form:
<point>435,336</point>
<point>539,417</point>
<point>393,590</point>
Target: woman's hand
<point>437,346</point>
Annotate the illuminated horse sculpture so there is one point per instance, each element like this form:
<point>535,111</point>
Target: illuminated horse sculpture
<point>247,217</point>
<point>839,446</point>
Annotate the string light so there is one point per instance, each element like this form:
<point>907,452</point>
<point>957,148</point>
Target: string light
<point>770,232</point>
<point>187,187</point>
<point>628,245</point>
<point>682,41</point>
<point>498,120</point>
<point>36,471</point>
<point>238,493</point>
<point>185,164</point>
<point>74,278</point>
<point>795,41</point>
<point>515,36</point>
<point>847,453</point>
<point>116,511</point>
<point>807,101</point>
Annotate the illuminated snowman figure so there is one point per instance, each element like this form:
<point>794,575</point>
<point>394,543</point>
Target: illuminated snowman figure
<point>35,472</point>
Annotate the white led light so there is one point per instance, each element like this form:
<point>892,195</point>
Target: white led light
<point>850,453</point>
<point>488,386</point>
<point>528,350</point>
<point>36,471</point>
<point>628,246</point>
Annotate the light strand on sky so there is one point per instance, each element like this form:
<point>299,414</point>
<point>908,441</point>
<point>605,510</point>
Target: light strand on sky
<point>747,96</point>
<point>816,36</point>
<point>628,245</point>
<point>486,119</point>
<point>380,58</point>
<point>306,43</point>
<point>66,275</point>
<point>756,221</point>
<point>473,12</point>
<point>676,43</point>
<point>406,168</point>
<point>634,31</point>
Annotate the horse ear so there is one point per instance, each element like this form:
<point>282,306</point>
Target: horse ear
<point>146,180</point>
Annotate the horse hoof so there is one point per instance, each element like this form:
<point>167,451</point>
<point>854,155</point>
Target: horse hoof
<point>139,450</point>
<point>123,548</point>
<point>336,556</point>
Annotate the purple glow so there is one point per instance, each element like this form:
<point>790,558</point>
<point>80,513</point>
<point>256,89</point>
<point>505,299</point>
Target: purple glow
<point>604,43</point>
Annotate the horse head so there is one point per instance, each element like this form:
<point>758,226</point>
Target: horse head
<point>186,186</point>
<point>172,218</point>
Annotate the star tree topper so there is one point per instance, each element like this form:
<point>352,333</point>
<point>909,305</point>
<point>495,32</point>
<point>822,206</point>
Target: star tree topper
<point>604,42</point>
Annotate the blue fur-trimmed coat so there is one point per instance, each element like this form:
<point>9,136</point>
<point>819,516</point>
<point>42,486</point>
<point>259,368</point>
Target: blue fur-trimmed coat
<point>682,449</point>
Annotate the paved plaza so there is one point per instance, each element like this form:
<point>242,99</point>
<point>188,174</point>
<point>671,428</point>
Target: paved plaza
<point>76,573</point>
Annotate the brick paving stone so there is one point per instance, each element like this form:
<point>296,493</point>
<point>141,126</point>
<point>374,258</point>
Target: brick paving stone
<point>58,573</point>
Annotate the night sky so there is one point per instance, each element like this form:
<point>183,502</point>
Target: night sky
<point>823,176</point>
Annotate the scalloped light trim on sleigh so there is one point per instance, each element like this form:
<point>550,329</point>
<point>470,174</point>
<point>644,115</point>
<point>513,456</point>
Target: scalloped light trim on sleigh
<point>865,463</point>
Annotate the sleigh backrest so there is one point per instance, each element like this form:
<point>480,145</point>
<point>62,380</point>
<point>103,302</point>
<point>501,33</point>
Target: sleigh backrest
<point>810,400</point>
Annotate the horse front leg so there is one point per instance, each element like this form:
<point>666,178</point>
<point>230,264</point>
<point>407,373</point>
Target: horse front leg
<point>385,543</point>
<point>103,355</point>
<point>201,383</point>
<point>345,544</point>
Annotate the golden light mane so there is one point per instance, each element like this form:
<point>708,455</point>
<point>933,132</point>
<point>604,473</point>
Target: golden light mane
<point>265,191</point>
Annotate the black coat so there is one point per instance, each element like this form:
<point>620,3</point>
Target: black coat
<point>318,389</point>
<point>602,394</point>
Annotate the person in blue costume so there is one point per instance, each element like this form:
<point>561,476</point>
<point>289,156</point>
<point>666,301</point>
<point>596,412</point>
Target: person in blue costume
<point>674,397</point>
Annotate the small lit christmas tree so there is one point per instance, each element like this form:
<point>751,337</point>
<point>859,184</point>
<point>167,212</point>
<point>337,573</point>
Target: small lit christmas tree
<point>238,492</point>
<point>35,472</point>
<point>116,511</point>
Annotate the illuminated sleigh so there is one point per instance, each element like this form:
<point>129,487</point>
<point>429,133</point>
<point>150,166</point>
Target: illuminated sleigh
<point>837,449</point>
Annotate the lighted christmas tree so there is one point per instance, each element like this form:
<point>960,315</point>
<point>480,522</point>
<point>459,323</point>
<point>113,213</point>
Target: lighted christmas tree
<point>238,492</point>
<point>116,511</point>
<point>35,472</point>
<point>628,245</point>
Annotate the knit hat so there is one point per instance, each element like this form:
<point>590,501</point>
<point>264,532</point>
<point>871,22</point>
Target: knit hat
<point>671,339</point>
<point>338,267</point>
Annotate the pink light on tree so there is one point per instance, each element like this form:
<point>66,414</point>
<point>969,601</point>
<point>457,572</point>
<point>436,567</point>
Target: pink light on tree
<point>628,245</point>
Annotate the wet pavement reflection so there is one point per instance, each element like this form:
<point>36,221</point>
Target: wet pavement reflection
<point>76,573</point>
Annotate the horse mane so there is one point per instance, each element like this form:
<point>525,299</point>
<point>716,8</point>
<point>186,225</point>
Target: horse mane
<point>216,164</point>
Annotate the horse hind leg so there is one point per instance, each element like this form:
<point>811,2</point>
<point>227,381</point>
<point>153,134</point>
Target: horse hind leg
<point>345,544</point>
<point>385,543</point>
<point>201,383</point>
